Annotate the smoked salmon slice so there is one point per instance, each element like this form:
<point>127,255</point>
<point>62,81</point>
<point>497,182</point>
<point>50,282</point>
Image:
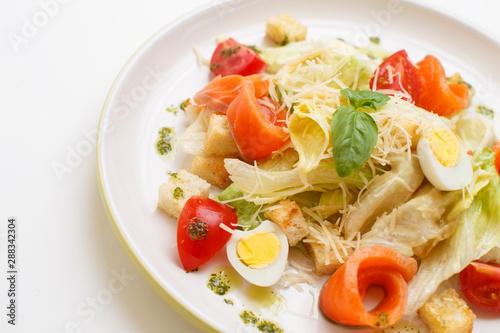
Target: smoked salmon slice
<point>221,91</point>
<point>435,94</point>
<point>341,298</point>
<point>256,126</point>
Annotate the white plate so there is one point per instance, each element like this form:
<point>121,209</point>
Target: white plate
<point>164,72</point>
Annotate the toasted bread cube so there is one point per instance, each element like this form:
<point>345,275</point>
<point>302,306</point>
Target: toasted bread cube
<point>288,216</point>
<point>180,187</point>
<point>447,313</point>
<point>211,168</point>
<point>219,140</point>
<point>283,29</point>
<point>319,257</point>
<point>326,259</point>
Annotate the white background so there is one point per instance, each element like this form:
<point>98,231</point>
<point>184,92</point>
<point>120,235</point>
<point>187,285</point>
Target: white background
<point>53,84</point>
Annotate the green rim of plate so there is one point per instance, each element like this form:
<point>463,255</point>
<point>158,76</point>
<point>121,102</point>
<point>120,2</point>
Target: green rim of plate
<point>151,280</point>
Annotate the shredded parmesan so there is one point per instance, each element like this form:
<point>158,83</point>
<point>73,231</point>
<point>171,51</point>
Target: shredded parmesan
<point>310,85</point>
<point>226,228</point>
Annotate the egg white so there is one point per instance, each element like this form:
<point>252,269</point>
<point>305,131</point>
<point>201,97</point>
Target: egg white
<point>266,276</point>
<point>444,178</point>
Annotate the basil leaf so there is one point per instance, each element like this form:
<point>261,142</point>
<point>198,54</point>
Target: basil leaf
<point>354,135</point>
<point>365,98</point>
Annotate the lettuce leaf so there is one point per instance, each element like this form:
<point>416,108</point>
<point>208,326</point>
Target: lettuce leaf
<point>474,130</point>
<point>277,57</point>
<point>477,232</point>
<point>355,74</point>
<point>310,135</point>
<point>192,140</point>
<point>416,226</point>
<point>319,75</point>
<point>262,186</point>
<point>249,215</point>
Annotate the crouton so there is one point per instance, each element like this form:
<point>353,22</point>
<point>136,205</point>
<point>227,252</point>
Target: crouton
<point>319,246</point>
<point>180,187</point>
<point>447,313</point>
<point>219,140</point>
<point>211,168</point>
<point>288,216</point>
<point>283,29</point>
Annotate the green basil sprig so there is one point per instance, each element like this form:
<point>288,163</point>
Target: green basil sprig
<point>354,132</point>
<point>365,98</point>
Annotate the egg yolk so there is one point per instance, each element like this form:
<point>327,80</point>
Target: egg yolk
<point>444,146</point>
<point>258,250</point>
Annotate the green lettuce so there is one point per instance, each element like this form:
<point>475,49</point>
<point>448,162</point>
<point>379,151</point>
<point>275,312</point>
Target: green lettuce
<point>416,226</point>
<point>277,57</point>
<point>310,135</point>
<point>474,130</point>
<point>477,232</point>
<point>271,186</point>
<point>318,76</point>
<point>355,74</point>
<point>249,215</point>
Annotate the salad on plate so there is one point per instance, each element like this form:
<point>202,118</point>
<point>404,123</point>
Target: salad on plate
<point>377,169</point>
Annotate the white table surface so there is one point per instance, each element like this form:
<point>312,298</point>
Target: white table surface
<point>52,88</point>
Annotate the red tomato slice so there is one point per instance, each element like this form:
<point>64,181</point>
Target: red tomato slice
<point>255,126</point>
<point>496,150</point>
<point>497,162</point>
<point>480,282</point>
<point>435,94</point>
<point>221,91</point>
<point>199,235</point>
<point>231,57</point>
<point>341,298</point>
<point>397,73</point>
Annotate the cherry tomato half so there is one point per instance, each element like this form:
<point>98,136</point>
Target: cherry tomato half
<point>496,150</point>
<point>231,57</point>
<point>480,282</point>
<point>199,235</point>
<point>397,73</point>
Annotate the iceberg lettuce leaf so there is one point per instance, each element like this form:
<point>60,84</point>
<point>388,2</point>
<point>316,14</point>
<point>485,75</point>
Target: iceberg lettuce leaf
<point>277,57</point>
<point>262,186</point>
<point>310,135</point>
<point>249,214</point>
<point>477,232</point>
<point>192,140</point>
<point>416,226</point>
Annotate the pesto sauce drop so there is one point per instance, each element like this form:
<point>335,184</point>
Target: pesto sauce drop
<point>219,284</point>
<point>178,193</point>
<point>166,141</point>
<point>265,326</point>
<point>224,279</point>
